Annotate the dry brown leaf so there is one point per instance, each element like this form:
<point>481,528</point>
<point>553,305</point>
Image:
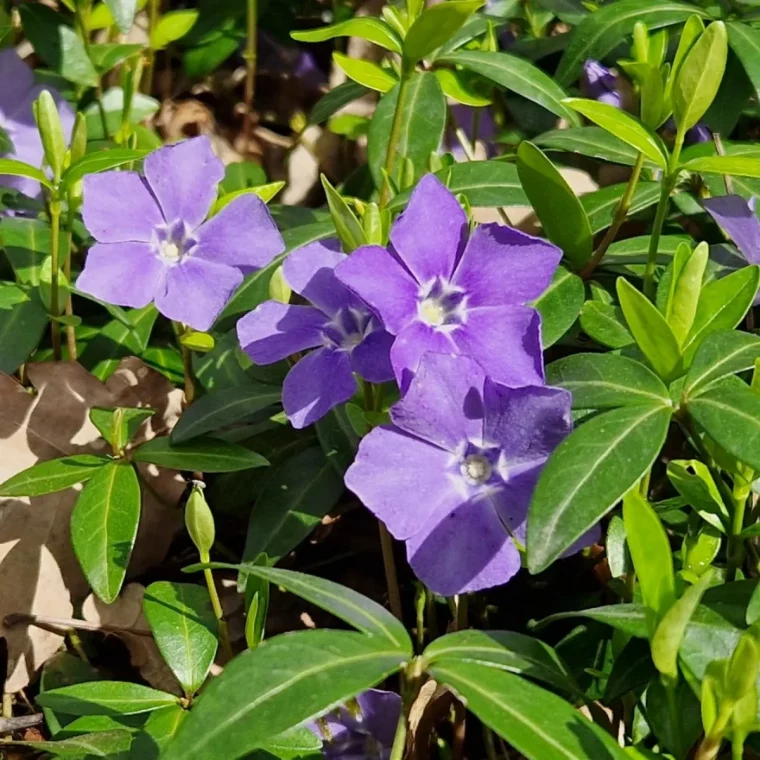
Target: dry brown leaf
<point>37,564</point>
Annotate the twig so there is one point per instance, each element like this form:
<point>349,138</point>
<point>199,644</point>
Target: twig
<point>391,577</point>
<point>64,624</point>
<point>9,725</point>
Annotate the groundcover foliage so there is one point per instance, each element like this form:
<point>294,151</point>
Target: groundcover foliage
<point>443,454</point>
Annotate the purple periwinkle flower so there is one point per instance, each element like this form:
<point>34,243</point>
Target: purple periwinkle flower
<point>17,94</point>
<point>599,83</point>
<point>477,123</point>
<point>346,333</point>
<point>362,730</point>
<point>454,474</point>
<point>436,290</point>
<point>700,133</point>
<point>152,242</point>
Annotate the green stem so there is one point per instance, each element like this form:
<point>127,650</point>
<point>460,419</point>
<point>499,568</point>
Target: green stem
<point>55,237</point>
<point>735,544</point>
<point>187,364</point>
<point>737,746</point>
<point>71,338</point>
<point>224,634</point>
<point>250,70</point>
<point>399,739</point>
<point>621,212</point>
<point>391,576</point>
<point>398,119</point>
<point>153,8</point>
<point>671,687</point>
<point>710,746</point>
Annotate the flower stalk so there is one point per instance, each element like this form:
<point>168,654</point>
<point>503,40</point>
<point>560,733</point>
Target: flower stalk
<point>250,56</point>
<point>55,236</point>
<point>398,117</point>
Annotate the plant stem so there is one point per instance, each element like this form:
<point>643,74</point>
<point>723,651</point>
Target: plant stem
<point>71,337</point>
<point>621,212</point>
<point>671,687</point>
<point>710,746</point>
<point>735,544</point>
<point>721,151</point>
<point>187,364</point>
<point>153,8</point>
<point>737,746</point>
<point>224,634</point>
<point>250,71</point>
<point>398,118</point>
<point>399,738</point>
<point>55,237</point>
<point>461,604</point>
<point>391,577</point>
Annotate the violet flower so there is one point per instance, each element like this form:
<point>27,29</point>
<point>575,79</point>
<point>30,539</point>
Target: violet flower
<point>454,474</point>
<point>17,94</point>
<point>468,117</point>
<point>347,335</point>
<point>599,83</point>
<point>362,731</point>
<point>152,243</point>
<point>438,291</point>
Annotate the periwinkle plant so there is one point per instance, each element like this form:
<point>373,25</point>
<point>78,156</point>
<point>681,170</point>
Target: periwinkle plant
<point>577,402</point>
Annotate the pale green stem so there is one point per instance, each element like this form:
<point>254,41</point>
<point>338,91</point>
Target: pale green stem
<point>216,604</point>
<point>71,338</point>
<point>398,118</point>
<point>153,8</point>
<point>250,70</point>
<point>55,237</point>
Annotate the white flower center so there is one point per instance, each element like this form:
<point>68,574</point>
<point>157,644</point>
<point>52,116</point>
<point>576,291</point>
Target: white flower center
<point>431,312</point>
<point>169,251</point>
<point>477,469</point>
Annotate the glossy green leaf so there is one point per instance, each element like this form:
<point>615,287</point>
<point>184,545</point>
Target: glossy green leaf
<point>296,744</point>
<point>618,556</point>
<point>745,42</point>
<point>123,12</point>
<point>365,27</point>
<point>593,142</point>
<point>101,160</point>
<point>107,56</point>
<point>730,414</point>
<point>357,610</point>
<point>537,723</point>
<point>504,650</point>
<point>588,473</point>
<point>277,686</point>
<point>601,205</point>
<point>605,324</point>
<point>53,475</point>
<point>631,671</point>
<point>699,76</point>
<point>20,169</point>
<point>104,527</point>
<point>298,494</point>
<point>650,330</point>
<point>366,73</point>
<point>692,479</point>
<point>158,730</point>
<point>334,100</point>
<point>620,124</point>
<point>650,551</point>
<point>719,355</point>
<point>435,26</point>
<point>722,305</point>
<point>559,305</point>
<point>200,454</point>
<point>184,627</point>
<point>102,744</point>
<point>600,32</point>
<point>105,698</point>
<point>561,214</point>
<point>223,408</point>
<point>686,285</point>
<point>172,26</point>
<point>740,166</point>
<point>516,75</point>
<point>421,127</point>
<point>454,86</point>
<point>347,226</point>
<point>119,425</point>
<point>21,329</point>
<point>607,381</point>
<point>669,633</point>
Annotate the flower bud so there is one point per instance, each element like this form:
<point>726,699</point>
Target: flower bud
<point>78,138</point>
<point>51,132</point>
<point>742,668</point>
<point>199,522</point>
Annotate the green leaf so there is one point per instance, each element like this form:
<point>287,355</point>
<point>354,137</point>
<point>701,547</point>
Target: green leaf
<point>347,226</point>
<point>119,425</point>
<point>699,76</point>
<point>223,408</point>
<point>296,744</point>
<point>719,355</point>
<point>53,475</point>
<point>266,192</point>
<point>588,473</point>
<point>599,33</point>
<point>109,55</point>
<point>538,724</point>
<point>435,26</point>
<point>740,166</point>
<point>685,286</point>
<point>601,205</point>
<point>620,124</point>
<point>650,551</point>
<point>594,142</point>
<point>123,12</point>
<point>365,27</point>
<point>730,414</point>
<point>26,243</point>
<point>366,73</point>
<point>504,650</point>
<point>157,732</point>
<point>669,634</point>
<point>50,130</point>
<point>184,627</point>
<point>171,27</point>
<point>559,305</point>
<point>692,479</point>
<point>21,329</point>
<point>650,330</point>
<point>607,381</point>
<point>561,214</point>
<point>516,75</point>
<point>101,160</point>
<point>200,454</point>
<point>20,169</point>
<point>102,744</point>
<point>745,42</point>
<point>422,124</point>
<point>722,305</point>
<point>457,88</point>
<point>631,671</point>
<point>279,685</point>
<point>605,324</point>
<point>105,698</point>
<point>334,100</point>
<point>104,526</point>
<point>299,493</point>
<point>58,44</point>
<point>353,608</point>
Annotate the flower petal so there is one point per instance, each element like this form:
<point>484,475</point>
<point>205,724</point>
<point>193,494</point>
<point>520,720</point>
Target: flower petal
<point>372,357</point>
<point>380,711</point>
<point>401,479</point>
<point>431,232</point>
<point>242,235</point>
<point>319,382</point>
<point>124,274</point>
<point>409,346</point>
<point>118,206</point>
<point>184,178</point>
<point>17,81</point>
<point>196,291</point>
<point>376,277</point>
<point>501,265</point>
<point>506,342</point>
<point>464,550</point>
<point>738,219</point>
<point>444,403</point>
<point>274,330</point>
